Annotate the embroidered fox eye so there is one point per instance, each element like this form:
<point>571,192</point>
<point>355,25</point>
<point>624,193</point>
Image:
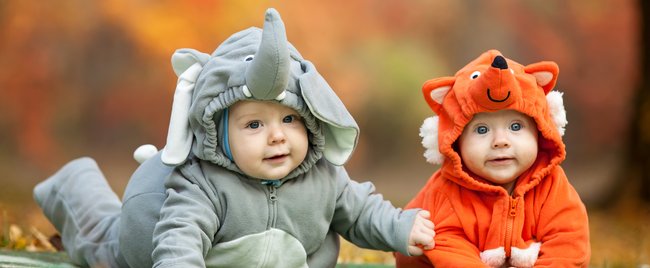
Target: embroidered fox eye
<point>481,130</point>
<point>515,127</point>
<point>475,75</point>
<point>249,58</point>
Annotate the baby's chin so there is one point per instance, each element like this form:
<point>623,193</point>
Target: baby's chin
<point>501,178</point>
<point>272,176</point>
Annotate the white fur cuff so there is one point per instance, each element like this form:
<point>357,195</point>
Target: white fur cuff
<point>525,257</point>
<point>494,257</point>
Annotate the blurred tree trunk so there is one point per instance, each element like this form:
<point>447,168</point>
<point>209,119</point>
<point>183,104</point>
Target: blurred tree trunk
<point>639,143</point>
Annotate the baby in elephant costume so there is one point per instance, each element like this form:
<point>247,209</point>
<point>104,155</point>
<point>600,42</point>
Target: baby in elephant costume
<point>251,175</point>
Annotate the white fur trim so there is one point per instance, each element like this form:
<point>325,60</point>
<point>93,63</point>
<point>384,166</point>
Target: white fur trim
<point>429,134</point>
<point>494,257</point>
<point>525,257</point>
<point>556,109</point>
<point>144,152</point>
<point>438,94</point>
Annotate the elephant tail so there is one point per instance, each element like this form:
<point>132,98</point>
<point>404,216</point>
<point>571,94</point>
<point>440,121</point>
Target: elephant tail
<point>144,152</point>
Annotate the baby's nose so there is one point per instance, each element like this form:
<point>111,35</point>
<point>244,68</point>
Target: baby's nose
<point>276,135</point>
<point>500,140</point>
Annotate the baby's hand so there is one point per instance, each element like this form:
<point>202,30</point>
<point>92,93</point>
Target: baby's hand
<point>422,234</point>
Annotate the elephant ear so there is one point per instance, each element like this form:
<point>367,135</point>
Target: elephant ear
<point>339,128</point>
<point>184,58</point>
<point>187,64</point>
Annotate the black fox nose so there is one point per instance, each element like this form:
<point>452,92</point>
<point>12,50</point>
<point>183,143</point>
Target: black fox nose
<point>500,62</point>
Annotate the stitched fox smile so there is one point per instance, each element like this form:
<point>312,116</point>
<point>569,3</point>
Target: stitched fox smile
<point>495,100</point>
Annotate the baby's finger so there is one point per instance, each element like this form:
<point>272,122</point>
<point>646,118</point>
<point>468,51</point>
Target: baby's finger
<point>421,228</point>
<point>428,224</point>
<point>415,251</point>
<point>428,231</point>
<point>422,238</point>
<point>424,214</point>
<point>429,246</point>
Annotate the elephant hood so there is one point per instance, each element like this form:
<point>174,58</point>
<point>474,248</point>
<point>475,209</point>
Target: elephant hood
<point>230,74</point>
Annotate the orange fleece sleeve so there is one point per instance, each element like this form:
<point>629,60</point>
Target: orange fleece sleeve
<point>452,249</point>
<point>563,227</point>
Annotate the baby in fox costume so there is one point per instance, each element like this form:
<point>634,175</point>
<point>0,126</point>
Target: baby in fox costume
<point>500,198</point>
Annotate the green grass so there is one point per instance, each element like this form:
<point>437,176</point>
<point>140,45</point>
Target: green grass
<point>34,259</point>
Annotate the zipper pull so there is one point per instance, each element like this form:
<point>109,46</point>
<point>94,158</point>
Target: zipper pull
<point>272,184</point>
<point>513,207</point>
<point>272,195</point>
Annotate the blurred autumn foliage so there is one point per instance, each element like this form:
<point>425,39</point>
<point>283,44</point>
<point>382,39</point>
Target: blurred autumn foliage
<point>94,77</point>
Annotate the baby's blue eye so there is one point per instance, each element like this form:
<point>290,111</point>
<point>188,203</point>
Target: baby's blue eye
<point>481,130</point>
<point>254,125</point>
<point>288,119</point>
<point>515,127</point>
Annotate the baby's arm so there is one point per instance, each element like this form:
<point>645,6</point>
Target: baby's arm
<point>364,218</point>
<point>188,222</point>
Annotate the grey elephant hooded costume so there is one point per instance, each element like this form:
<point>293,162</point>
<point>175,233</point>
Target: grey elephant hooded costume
<point>191,206</point>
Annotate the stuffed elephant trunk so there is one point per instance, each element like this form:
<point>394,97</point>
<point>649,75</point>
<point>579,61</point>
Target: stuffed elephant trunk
<point>268,74</point>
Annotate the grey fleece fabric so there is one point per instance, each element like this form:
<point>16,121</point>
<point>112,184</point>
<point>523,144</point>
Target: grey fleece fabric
<point>208,207</point>
<point>218,220</point>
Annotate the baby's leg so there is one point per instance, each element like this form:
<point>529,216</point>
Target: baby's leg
<point>143,198</point>
<point>83,208</point>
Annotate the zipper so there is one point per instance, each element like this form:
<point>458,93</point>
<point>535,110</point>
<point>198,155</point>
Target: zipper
<point>272,187</point>
<point>512,213</point>
<point>273,197</point>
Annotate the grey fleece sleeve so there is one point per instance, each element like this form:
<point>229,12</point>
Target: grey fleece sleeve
<point>364,218</point>
<point>183,236</point>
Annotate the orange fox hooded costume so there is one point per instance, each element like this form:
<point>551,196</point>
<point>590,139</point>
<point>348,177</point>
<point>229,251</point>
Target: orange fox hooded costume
<point>543,222</point>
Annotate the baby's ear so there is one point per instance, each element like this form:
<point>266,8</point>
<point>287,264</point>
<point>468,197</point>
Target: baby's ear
<point>436,89</point>
<point>545,73</point>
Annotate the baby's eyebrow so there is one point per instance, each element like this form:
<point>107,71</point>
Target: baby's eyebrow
<point>246,116</point>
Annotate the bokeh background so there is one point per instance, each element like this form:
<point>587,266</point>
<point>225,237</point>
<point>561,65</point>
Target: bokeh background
<point>93,78</point>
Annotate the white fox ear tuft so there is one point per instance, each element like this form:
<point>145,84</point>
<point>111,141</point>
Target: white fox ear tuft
<point>557,111</point>
<point>429,134</point>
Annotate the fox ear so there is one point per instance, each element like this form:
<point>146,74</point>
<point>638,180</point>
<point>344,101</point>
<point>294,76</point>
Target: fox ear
<point>436,89</point>
<point>545,73</point>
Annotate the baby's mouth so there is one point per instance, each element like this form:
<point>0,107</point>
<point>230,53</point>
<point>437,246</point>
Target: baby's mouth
<point>276,157</point>
<point>501,161</point>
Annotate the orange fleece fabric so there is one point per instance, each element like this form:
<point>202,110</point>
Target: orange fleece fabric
<point>543,222</point>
